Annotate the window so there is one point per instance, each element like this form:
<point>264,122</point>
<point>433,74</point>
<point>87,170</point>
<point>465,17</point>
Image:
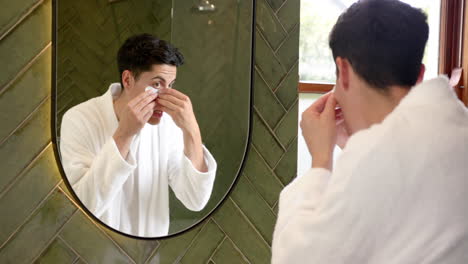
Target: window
<point>317,69</point>
<point>317,19</point>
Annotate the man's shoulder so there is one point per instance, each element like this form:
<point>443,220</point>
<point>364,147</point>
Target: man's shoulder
<point>378,144</point>
<point>86,114</point>
<point>84,109</point>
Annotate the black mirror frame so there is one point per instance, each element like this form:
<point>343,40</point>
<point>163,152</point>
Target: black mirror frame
<point>54,132</point>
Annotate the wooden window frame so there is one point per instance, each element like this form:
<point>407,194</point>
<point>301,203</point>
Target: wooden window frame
<point>464,58</point>
<point>451,44</point>
<point>312,87</point>
<point>453,50</point>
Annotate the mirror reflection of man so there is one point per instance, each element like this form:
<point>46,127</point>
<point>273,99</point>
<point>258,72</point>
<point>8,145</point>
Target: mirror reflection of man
<point>121,151</point>
<point>398,192</point>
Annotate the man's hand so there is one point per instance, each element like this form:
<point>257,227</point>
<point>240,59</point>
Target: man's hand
<point>341,131</point>
<point>132,117</point>
<point>179,107</point>
<point>136,113</point>
<point>319,130</point>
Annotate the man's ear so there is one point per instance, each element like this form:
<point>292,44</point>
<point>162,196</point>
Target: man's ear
<point>421,73</point>
<point>343,68</point>
<point>127,79</point>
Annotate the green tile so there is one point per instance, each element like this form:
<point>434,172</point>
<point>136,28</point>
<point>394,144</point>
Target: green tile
<point>267,63</point>
<point>162,14</point>
<point>266,103</point>
<point>23,146</point>
<point>80,261</point>
<point>287,167</point>
<point>138,249</point>
<point>264,141</point>
<point>255,208</point>
<point>242,234</point>
<point>287,91</point>
<point>25,42</point>
<point>288,53</point>
<point>287,128</point>
<point>90,242</point>
<point>262,178</point>
<point>204,245</point>
<point>288,14</point>
<point>172,249</point>
<point>275,4</point>
<point>228,254</point>
<point>182,218</point>
<point>120,9</point>
<point>275,209</point>
<point>84,89</point>
<point>84,60</point>
<point>220,93</point>
<point>57,252</point>
<point>25,94</point>
<point>269,25</point>
<point>246,238</point>
<point>65,189</point>
<point>85,77</point>
<point>89,26</point>
<point>40,228</point>
<point>34,185</point>
<point>12,11</point>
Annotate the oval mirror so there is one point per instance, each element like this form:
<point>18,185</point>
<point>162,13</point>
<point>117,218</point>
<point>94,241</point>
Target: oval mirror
<point>152,108</point>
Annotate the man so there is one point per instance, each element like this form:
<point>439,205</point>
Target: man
<point>398,193</point>
<point>121,152</point>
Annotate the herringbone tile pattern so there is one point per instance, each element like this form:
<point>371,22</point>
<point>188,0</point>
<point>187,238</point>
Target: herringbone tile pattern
<point>40,222</point>
<point>90,33</point>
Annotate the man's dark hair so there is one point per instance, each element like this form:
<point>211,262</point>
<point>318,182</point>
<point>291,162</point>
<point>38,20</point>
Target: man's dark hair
<point>140,52</point>
<point>383,40</point>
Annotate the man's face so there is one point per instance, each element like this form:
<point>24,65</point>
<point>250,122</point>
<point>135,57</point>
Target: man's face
<point>342,103</point>
<point>160,76</point>
<point>348,99</point>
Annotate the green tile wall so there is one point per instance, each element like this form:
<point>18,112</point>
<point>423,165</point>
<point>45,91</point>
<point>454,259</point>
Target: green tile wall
<point>89,35</point>
<point>40,223</point>
<point>215,75</point>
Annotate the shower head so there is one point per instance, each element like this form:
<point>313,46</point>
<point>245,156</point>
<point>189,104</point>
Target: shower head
<point>205,6</point>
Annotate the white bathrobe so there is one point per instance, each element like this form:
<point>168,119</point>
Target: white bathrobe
<point>130,195</point>
<point>398,192</point>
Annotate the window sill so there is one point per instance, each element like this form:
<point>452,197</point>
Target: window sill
<point>320,88</point>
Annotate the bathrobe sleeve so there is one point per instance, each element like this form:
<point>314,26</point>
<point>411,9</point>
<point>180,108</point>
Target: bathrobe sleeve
<point>96,172</point>
<point>325,217</point>
<point>192,187</point>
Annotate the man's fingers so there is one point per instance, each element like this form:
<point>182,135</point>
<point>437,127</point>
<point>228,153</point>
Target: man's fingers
<point>144,102</point>
<point>319,105</point>
<point>330,106</point>
<point>142,96</point>
<point>173,92</point>
<point>149,108</point>
<point>339,121</point>
<point>173,99</point>
<point>158,107</point>
<point>165,110</point>
<point>167,104</point>
<point>147,116</point>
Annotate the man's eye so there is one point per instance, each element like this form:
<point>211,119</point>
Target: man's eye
<point>157,85</point>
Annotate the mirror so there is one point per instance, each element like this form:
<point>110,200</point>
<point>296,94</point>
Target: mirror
<point>153,179</point>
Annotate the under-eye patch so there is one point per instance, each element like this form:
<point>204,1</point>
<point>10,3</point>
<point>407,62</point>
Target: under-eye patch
<point>153,90</point>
